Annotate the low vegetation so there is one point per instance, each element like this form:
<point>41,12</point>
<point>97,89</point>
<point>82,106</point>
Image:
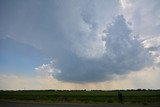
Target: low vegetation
<point>139,96</point>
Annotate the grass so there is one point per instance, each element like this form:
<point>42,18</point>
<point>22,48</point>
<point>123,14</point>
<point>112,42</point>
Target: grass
<point>144,97</point>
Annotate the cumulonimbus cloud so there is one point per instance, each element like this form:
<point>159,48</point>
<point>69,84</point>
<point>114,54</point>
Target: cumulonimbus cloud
<point>70,32</point>
<point>124,53</point>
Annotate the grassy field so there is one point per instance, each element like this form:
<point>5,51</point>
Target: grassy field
<point>144,97</point>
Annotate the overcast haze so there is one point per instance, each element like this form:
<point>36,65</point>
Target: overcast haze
<point>79,44</point>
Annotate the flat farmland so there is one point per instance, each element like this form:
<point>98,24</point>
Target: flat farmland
<point>130,97</point>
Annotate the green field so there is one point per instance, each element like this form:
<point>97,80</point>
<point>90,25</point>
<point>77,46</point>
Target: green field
<point>145,97</point>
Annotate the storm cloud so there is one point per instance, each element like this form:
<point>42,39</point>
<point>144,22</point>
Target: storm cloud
<point>124,53</point>
<point>88,41</point>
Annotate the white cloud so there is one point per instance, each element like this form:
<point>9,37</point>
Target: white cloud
<point>46,70</point>
<point>153,45</point>
<point>144,14</point>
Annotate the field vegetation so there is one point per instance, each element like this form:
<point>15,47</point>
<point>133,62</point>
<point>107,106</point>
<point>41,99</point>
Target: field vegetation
<point>139,96</point>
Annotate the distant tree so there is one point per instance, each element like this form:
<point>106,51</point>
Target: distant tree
<point>139,89</point>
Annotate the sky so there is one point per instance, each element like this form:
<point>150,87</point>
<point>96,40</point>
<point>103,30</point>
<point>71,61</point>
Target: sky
<point>79,44</point>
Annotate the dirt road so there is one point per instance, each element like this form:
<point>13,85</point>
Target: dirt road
<point>13,104</point>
